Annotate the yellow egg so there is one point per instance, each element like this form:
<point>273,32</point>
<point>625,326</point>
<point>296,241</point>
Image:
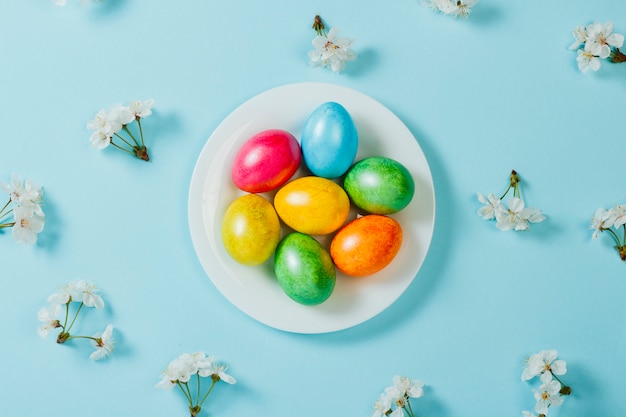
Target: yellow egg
<point>312,205</point>
<point>250,229</point>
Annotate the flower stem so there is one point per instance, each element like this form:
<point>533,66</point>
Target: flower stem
<point>74,319</point>
<point>3,225</point>
<point>121,148</point>
<point>506,192</point>
<point>140,131</point>
<point>565,390</point>
<point>408,408</point>
<point>95,339</point>
<point>617,241</point>
<point>185,392</point>
<point>123,140</point>
<point>2,213</point>
<point>131,135</point>
<point>207,393</point>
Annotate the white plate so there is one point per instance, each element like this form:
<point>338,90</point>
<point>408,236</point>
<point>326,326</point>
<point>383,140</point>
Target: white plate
<point>253,289</point>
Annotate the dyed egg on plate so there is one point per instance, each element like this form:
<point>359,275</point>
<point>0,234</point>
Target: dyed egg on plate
<point>266,161</point>
<point>304,269</point>
<point>366,245</point>
<point>250,229</point>
<point>312,205</point>
<point>379,185</point>
<point>329,141</point>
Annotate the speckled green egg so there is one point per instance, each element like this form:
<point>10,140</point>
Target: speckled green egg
<point>379,185</point>
<point>304,269</point>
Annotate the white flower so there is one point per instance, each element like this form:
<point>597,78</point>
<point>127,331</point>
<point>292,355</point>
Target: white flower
<point>619,215</point>
<point>459,8</point>
<point>601,39</point>
<point>587,59</point>
<point>544,362</point>
<point>104,344</point>
<point>548,394</point>
<point>121,114</point>
<point>74,291</point>
<point>99,140</point>
<point>405,386</point>
<point>601,220</point>
<point>331,50</point>
<point>580,37</point>
<point>24,193</point>
<point>517,217</point>
<point>217,372</point>
<point>528,414</point>
<point>105,123</point>
<point>27,225</point>
<point>382,405</point>
<point>48,316</point>
<point>90,298</point>
<point>179,370</point>
<point>492,204</point>
<point>203,364</point>
<point>140,108</point>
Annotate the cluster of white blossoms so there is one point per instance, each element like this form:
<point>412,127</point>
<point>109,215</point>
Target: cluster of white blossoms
<point>458,8</point>
<point>330,50</point>
<point>108,126</point>
<point>594,42</point>
<point>85,295</point>
<point>605,220</point>
<point>514,217</point>
<point>398,395</point>
<point>24,202</point>
<point>550,393</point>
<point>180,371</point>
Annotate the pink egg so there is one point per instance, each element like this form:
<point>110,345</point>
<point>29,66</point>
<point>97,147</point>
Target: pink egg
<point>266,161</point>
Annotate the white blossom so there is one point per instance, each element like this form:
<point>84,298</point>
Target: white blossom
<point>544,362</point>
<point>587,60</point>
<point>140,108</point>
<point>27,225</point>
<point>48,316</point>
<point>548,394</point>
<point>104,344</point>
<point>601,39</point>
<point>331,50</point>
<point>517,217</point>
<point>492,204</point>
<point>601,220</point>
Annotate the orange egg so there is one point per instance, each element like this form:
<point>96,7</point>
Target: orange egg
<point>366,245</point>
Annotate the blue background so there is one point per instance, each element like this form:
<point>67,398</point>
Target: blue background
<point>496,92</point>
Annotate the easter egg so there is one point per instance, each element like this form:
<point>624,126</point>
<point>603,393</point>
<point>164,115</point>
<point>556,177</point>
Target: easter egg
<point>304,269</point>
<point>329,141</point>
<point>250,229</point>
<point>312,205</point>
<point>266,161</point>
<point>366,245</point>
<point>379,185</point>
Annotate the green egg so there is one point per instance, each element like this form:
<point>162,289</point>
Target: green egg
<point>304,269</point>
<point>379,185</point>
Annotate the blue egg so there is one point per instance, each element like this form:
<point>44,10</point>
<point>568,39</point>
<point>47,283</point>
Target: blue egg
<point>329,141</point>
